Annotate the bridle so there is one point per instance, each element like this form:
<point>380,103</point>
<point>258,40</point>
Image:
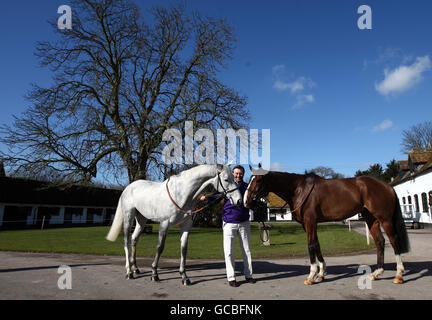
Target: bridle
<point>225,191</point>
<point>258,194</point>
<point>223,195</point>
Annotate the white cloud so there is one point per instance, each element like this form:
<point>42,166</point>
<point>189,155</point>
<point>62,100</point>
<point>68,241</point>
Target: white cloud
<point>297,87</point>
<point>302,99</point>
<point>283,86</point>
<point>277,69</point>
<point>404,77</point>
<point>386,56</point>
<point>276,166</point>
<point>383,126</point>
<point>366,165</point>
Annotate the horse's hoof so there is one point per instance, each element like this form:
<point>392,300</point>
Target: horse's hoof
<point>186,282</point>
<point>398,280</point>
<point>129,276</point>
<point>308,282</point>
<point>137,271</point>
<point>372,277</point>
<point>155,279</point>
<point>319,279</point>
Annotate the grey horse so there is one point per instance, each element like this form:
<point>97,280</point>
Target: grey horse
<point>170,202</point>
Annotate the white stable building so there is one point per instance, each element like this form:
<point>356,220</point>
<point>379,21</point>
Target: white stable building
<point>277,209</point>
<point>26,203</point>
<point>414,186</point>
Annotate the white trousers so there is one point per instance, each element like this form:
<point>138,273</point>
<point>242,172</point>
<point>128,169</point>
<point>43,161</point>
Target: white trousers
<point>230,230</point>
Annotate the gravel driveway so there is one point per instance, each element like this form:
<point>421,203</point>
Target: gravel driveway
<point>37,276</point>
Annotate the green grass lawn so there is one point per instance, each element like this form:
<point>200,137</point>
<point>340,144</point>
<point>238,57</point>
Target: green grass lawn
<point>287,240</point>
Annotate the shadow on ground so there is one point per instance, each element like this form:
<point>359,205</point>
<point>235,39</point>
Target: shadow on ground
<point>264,270</point>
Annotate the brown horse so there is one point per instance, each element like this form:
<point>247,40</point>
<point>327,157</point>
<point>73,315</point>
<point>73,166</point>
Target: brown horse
<point>314,199</point>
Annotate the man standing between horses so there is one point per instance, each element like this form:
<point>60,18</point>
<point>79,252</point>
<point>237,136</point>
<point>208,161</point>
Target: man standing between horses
<point>235,221</point>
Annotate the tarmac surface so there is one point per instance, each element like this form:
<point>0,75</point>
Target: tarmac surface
<point>39,276</point>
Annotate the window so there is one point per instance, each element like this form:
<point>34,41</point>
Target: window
<point>409,204</point>
<point>109,215</point>
<point>424,202</point>
<point>49,213</point>
<point>416,203</point>
<point>94,215</point>
<point>73,215</point>
<point>16,216</point>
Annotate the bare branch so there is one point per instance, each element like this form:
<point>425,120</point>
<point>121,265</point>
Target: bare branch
<point>118,84</point>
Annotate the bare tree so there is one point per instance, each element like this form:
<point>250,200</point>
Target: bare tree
<point>419,135</point>
<point>119,83</point>
<point>326,173</point>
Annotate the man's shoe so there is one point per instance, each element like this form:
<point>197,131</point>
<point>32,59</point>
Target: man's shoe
<point>250,280</point>
<point>233,283</point>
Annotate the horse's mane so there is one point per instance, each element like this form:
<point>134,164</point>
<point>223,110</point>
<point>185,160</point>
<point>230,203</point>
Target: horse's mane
<point>311,176</point>
<point>188,171</point>
<point>307,174</point>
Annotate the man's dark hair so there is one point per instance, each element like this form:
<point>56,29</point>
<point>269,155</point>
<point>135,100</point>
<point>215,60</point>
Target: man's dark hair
<point>239,167</point>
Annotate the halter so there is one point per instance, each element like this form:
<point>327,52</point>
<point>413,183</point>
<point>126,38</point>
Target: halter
<point>225,191</point>
<point>256,197</point>
<point>223,195</point>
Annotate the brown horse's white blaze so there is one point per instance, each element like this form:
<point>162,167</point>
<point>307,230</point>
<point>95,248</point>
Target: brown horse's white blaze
<point>319,200</point>
<point>245,196</point>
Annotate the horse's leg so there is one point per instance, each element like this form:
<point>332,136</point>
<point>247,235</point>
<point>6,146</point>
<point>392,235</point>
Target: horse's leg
<point>163,231</point>
<point>128,218</point>
<point>390,231</point>
<point>185,227</point>
<point>375,230</point>
<point>321,262</point>
<point>140,223</point>
<point>311,230</point>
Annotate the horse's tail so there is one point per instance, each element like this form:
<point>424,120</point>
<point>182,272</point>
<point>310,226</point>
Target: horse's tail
<point>400,229</point>
<point>117,223</point>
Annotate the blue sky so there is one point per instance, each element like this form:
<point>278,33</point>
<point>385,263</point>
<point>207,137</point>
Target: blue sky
<point>331,94</point>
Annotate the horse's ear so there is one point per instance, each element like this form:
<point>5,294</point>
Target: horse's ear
<point>220,167</point>
<point>259,172</point>
<point>250,167</point>
<point>259,165</point>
